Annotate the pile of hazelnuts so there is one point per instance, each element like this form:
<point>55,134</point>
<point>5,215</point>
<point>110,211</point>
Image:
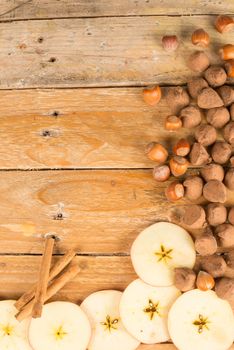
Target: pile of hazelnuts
<point>207,107</point>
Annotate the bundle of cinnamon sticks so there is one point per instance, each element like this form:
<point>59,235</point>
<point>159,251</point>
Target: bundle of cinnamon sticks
<point>49,283</point>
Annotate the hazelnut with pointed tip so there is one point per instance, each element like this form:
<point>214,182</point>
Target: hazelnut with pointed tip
<point>170,43</point>
<point>156,152</point>
<point>224,23</point>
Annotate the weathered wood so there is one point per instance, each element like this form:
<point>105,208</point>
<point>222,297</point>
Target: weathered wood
<point>80,128</point>
<point>91,211</point>
<point>25,9</point>
<point>98,51</point>
<point>18,273</point>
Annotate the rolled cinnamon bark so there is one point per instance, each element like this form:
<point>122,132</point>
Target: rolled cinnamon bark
<point>55,270</point>
<point>55,286</point>
<point>43,277</point>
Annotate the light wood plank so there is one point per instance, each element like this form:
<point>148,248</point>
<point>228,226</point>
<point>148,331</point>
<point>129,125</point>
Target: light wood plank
<point>25,9</point>
<point>91,211</point>
<point>98,51</point>
<point>102,211</point>
<point>18,273</point>
<point>98,128</point>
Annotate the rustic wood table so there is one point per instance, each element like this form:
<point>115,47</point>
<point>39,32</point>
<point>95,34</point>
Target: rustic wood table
<point>74,127</point>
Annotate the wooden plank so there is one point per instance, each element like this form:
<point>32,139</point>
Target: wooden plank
<point>18,273</point>
<point>91,211</point>
<point>83,52</point>
<point>80,128</point>
<point>26,9</point>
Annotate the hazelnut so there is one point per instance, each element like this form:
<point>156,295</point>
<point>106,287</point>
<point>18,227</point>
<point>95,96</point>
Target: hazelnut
<point>194,217</point>
<point>170,43</point>
<point>181,148</point>
<point>227,52</point>
<point>231,216</point>
<point>205,134</point>
<point>156,152</point>
<point>177,98</point>
<point>195,86</point>
<point>199,155</point>
<point>206,244</point>
<point>209,98</point>
<point>161,173</point>
<point>224,23</point>
<point>174,191</point>
<point>229,66</point>
<point>212,172</point>
<point>173,123</point>
<point>228,133</point>
<point>215,75</point>
<point>214,265</point>
<point>152,95</point>
<point>215,191</point>
<point>225,234</point>
<point>193,187</point>
<point>221,152</point>
<point>198,61</point>
<point>216,214</point>
<point>184,278</point>
<point>200,38</point>
<point>178,165</point>
<point>191,116</point>
<point>205,281</point>
<point>218,117</point>
<point>229,179</point>
<point>227,94</point>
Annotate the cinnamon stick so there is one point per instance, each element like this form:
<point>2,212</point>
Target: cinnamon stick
<point>55,286</point>
<point>43,277</point>
<point>55,270</point>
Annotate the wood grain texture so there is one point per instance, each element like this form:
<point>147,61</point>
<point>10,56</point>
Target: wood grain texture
<point>28,9</point>
<point>19,273</point>
<point>80,128</point>
<point>91,211</point>
<point>82,52</point>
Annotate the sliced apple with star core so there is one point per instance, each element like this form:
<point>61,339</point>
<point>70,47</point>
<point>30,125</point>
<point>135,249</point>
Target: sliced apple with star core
<point>144,310</point>
<point>62,326</point>
<point>159,249</point>
<point>108,332</point>
<point>13,334</point>
<point>201,320</point>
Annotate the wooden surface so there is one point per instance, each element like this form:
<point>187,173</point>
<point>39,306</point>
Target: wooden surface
<point>25,9</point>
<point>83,52</point>
<point>74,128</point>
<point>102,212</point>
<point>79,128</point>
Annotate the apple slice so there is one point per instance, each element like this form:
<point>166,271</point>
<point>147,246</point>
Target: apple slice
<point>108,331</point>
<point>62,326</point>
<point>13,334</point>
<point>144,310</point>
<point>158,250</point>
<point>201,320</point>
